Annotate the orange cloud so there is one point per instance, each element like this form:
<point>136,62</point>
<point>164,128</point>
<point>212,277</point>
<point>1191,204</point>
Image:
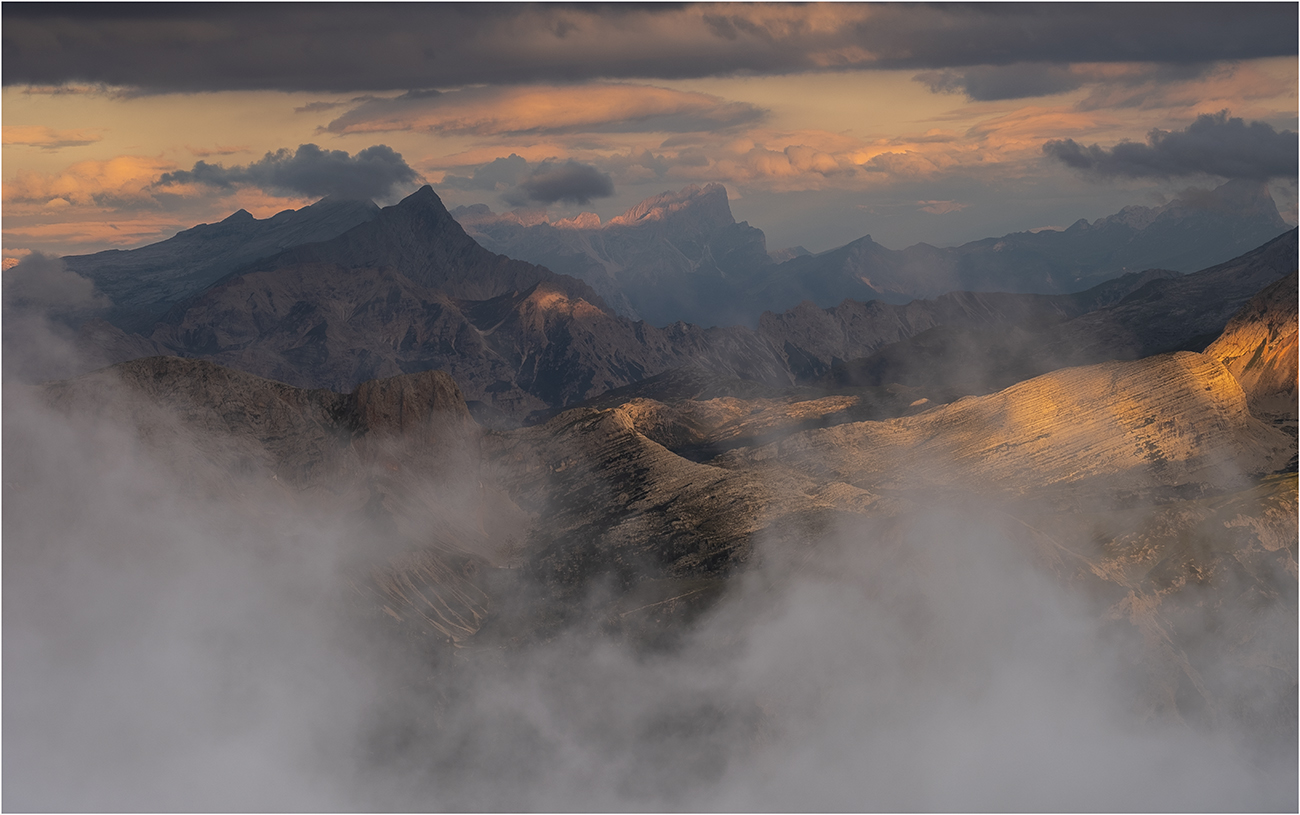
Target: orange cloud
<point>547,109</point>
<point>122,178</point>
<point>1250,89</point>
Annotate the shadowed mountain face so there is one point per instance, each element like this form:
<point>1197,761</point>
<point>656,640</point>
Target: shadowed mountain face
<point>143,283</point>
<point>681,256</point>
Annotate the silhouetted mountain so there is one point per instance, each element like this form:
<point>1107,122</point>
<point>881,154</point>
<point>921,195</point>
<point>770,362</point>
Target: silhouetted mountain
<point>143,283</point>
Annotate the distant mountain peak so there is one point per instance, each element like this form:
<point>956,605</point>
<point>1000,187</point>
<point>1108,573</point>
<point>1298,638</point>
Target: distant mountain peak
<point>705,203</point>
<point>1239,198</point>
<point>585,220</point>
<point>240,216</point>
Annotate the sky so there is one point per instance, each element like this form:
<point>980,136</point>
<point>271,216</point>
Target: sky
<point>124,124</point>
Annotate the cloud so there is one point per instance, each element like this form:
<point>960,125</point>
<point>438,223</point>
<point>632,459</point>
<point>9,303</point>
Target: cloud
<point>121,179</point>
<point>47,138</point>
<point>42,302</point>
<point>570,181</point>
<point>996,82</point>
<point>499,174</point>
<point>342,47</point>
<point>309,171</point>
<point>1213,144</point>
<point>547,109</point>
<point>989,83</point>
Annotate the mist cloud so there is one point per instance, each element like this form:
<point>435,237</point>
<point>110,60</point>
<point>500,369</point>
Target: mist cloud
<point>375,172</point>
<point>175,642</point>
<point>1213,144</point>
<point>42,302</point>
<point>346,48</point>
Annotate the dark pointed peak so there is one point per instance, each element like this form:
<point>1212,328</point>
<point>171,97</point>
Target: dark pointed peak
<point>241,216</point>
<point>421,197</point>
<point>423,202</point>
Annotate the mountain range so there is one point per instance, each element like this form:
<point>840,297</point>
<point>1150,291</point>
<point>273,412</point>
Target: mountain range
<point>682,256</point>
<point>407,289</point>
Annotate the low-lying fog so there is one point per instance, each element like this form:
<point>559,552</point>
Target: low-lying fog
<point>173,647</point>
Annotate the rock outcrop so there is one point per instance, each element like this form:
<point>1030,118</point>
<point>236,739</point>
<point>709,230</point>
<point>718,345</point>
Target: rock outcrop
<point>1259,347</point>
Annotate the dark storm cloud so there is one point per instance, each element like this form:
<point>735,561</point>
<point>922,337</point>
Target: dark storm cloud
<point>570,181</point>
<point>310,171</point>
<point>987,83</point>
<point>1213,144</point>
<point>341,47</point>
<point>498,174</point>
